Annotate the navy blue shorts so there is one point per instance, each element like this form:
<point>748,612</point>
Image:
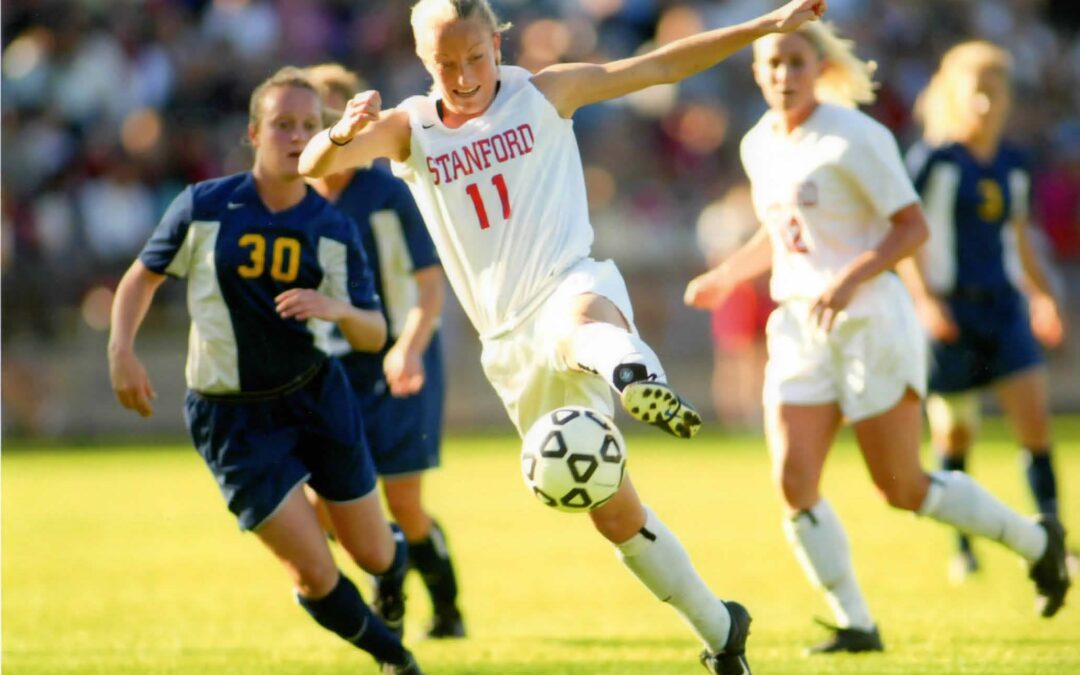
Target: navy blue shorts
<point>995,341</point>
<point>259,451</point>
<point>404,434</point>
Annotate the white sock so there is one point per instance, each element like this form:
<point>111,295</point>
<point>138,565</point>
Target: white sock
<point>602,347</point>
<point>956,499</point>
<point>821,547</point>
<point>658,559</point>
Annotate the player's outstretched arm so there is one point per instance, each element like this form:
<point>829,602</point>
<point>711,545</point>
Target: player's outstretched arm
<point>570,86</point>
<point>364,133</point>
<point>708,290</point>
<point>127,374</point>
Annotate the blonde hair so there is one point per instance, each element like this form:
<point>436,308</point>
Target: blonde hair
<point>330,79</point>
<point>943,115</point>
<point>289,76</point>
<point>428,12</point>
<point>846,80</point>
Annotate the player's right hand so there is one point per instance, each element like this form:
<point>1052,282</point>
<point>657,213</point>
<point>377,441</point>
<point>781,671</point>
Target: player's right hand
<point>938,320</point>
<point>131,383</point>
<point>796,13</point>
<point>361,110</point>
<point>708,290</point>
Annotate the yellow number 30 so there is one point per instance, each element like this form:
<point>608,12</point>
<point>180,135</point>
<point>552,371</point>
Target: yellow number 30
<point>284,265</point>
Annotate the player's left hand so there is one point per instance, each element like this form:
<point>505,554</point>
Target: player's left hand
<point>404,371</point>
<point>796,13</point>
<point>307,303</point>
<point>835,298</point>
<point>1046,321</point>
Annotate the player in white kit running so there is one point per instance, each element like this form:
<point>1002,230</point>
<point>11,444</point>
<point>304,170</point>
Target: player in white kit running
<point>492,161</point>
<point>838,213</point>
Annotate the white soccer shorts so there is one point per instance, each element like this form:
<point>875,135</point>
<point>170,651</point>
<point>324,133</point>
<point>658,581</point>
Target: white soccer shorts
<point>523,365</point>
<point>864,364</point>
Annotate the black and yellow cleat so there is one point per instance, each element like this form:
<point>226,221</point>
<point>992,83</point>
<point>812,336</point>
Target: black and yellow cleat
<point>657,404</point>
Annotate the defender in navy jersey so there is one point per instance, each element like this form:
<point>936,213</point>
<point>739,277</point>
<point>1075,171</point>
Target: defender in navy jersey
<point>400,388</point>
<point>266,258</point>
<point>976,189</point>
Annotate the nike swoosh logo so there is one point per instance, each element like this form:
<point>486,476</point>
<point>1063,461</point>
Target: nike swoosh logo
<point>234,205</point>
<point>427,126</point>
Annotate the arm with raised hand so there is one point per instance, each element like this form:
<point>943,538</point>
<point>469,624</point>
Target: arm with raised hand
<point>572,85</point>
<point>363,134</point>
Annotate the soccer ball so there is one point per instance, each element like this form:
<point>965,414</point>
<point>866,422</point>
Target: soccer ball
<point>573,459</point>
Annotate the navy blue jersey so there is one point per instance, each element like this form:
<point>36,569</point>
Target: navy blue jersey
<point>237,257</point>
<point>968,203</point>
<point>396,243</point>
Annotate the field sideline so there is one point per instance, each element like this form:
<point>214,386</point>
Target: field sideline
<point>124,560</point>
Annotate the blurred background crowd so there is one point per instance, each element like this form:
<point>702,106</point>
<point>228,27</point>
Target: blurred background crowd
<point>111,107</point>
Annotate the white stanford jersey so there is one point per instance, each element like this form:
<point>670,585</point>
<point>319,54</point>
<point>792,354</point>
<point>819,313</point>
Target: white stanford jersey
<point>825,192</point>
<point>503,197</point>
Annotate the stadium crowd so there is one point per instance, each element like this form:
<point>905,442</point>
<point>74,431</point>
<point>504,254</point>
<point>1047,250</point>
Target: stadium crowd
<point>110,108</point>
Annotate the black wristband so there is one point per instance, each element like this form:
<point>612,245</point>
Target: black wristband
<point>331,136</point>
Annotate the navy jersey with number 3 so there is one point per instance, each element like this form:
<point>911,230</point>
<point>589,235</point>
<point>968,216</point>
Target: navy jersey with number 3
<point>969,204</point>
<point>237,257</point>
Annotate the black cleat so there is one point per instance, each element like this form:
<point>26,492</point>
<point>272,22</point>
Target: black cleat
<point>850,640</point>
<point>408,667</point>
<point>1051,572</point>
<point>657,404</point>
<point>731,661</point>
<point>447,623</point>
<point>389,606</point>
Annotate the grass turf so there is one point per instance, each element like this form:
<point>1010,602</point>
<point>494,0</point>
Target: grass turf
<point>124,560</point>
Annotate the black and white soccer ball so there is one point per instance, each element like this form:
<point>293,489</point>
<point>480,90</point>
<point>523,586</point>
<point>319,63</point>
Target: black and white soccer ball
<point>573,459</point>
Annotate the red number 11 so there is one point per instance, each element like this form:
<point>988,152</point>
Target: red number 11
<point>478,202</point>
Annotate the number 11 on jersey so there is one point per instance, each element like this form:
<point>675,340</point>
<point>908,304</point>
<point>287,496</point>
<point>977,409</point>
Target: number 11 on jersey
<point>478,202</point>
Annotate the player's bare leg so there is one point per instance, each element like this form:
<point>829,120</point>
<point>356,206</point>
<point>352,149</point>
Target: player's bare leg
<point>657,558</point>
<point>293,534</point>
<point>890,445</point>
<point>598,340</point>
<point>1025,399</point>
<point>799,438</point>
<point>428,552</point>
<point>377,547</point>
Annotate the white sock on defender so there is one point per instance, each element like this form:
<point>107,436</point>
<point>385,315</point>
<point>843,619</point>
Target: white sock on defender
<point>658,559</point>
<point>601,347</point>
<point>956,499</point>
<point>821,547</point>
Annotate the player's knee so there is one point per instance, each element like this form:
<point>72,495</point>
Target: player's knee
<point>900,494</point>
<point>797,485</point>
<point>315,579</point>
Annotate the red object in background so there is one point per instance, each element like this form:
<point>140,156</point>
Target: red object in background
<point>740,320</point>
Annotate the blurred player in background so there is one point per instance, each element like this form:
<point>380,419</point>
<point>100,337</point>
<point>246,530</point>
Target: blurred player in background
<point>492,160</point>
<point>738,323</point>
<point>400,388</point>
<point>267,410</point>
<point>975,188</point>
<point>838,213</point>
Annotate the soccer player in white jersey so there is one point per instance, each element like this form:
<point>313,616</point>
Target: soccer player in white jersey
<point>838,212</point>
<point>491,158</point>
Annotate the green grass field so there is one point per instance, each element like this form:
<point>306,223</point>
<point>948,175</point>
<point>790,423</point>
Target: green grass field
<point>125,560</point>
